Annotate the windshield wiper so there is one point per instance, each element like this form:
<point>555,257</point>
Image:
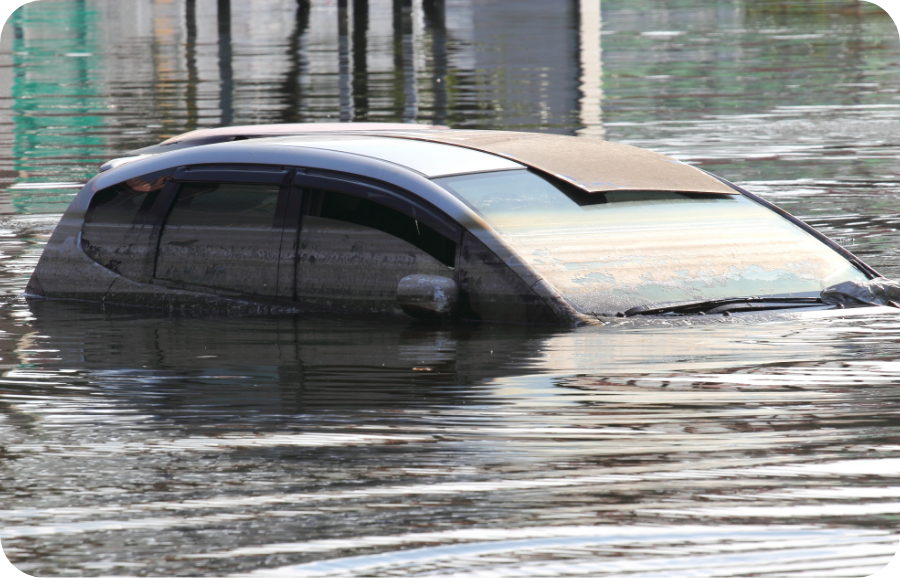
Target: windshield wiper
<point>726,306</point>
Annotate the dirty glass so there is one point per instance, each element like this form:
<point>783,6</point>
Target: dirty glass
<point>127,202</point>
<point>354,252</point>
<point>118,205</point>
<point>222,236</point>
<point>113,225</point>
<point>606,253</point>
<point>225,205</point>
<point>353,209</point>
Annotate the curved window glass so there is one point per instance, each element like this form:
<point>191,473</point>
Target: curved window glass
<point>608,252</point>
<point>223,235</point>
<point>353,209</point>
<point>114,232</point>
<point>354,251</point>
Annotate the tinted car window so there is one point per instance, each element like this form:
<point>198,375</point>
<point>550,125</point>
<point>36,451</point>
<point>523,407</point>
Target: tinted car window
<point>223,236</point>
<point>354,209</point>
<point>608,252</point>
<point>354,252</point>
<point>113,233</point>
<point>120,204</point>
<point>225,205</point>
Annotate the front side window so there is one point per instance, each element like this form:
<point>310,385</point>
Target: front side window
<point>353,209</point>
<point>353,251</point>
<point>609,252</point>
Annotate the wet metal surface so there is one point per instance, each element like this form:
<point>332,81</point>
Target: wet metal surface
<point>136,443</point>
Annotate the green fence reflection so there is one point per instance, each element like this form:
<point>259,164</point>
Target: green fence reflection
<point>59,101</point>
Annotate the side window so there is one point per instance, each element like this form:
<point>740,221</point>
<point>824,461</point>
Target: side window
<point>113,232</point>
<point>360,211</point>
<point>354,251</point>
<point>224,236</point>
<point>224,205</point>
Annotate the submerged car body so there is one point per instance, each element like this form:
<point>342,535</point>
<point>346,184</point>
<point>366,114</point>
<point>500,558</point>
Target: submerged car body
<point>430,222</point>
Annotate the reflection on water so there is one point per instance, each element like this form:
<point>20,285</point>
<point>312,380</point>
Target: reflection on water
<point>310,446</point>
<point>135,443</point>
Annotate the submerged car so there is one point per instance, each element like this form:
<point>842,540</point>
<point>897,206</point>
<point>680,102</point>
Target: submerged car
<point>431,222</point>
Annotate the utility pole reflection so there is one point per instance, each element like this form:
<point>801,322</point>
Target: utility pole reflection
<point>360,85</point>
<point>406,98</point>
<point>290,86</point>
<point>226,75</point>
<point>190,49</point>
<point>436,24</point>
<point>591,81</point>
<point>345,83</point>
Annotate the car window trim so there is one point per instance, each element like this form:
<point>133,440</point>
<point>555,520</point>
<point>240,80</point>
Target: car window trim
<point>288,213</point>
<point>396,198</point>
<point>262,176</point>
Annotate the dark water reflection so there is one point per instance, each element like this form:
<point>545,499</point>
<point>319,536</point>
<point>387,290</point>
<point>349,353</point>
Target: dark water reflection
<point>179,446</point>
<point>134,443</point>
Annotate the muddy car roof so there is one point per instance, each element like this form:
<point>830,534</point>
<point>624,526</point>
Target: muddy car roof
<point>332,151</point>
<point>232,133</point>
<point>593,165</point>
<point>430,158</point>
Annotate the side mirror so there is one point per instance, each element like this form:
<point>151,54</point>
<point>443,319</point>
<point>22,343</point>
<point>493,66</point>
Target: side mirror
<point>427,296</point>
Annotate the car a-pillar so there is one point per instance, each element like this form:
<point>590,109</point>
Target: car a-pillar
<point>492,291</point>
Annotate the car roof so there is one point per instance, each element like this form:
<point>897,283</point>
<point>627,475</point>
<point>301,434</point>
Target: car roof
<point>431,159</point>
<point>262,130</point>
<point>592,165</point>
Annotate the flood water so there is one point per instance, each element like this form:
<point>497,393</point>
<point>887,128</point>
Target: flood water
<point>138,443</point>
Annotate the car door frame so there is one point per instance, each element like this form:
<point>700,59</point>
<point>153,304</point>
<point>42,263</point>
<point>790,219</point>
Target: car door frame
<point>288,214</point>
<point>219,174</point>
<point>397,198</point>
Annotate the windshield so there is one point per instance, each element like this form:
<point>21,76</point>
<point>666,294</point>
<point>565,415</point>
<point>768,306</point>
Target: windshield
<point>608,252</point>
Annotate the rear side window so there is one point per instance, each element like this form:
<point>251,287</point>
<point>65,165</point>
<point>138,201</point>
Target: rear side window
<point>224,236</point>
<point>225,205</point>
<point>113,234</point>
<point>126,203</point>
<point>360,211</point>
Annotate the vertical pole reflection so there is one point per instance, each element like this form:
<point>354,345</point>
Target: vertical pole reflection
<point>360,63</point>
<point>345,86</point>
<point>410,60</point>
<point>398,57</point>
<point>190,55</point>
<point>290,86</point>
<point>591,81</point>
<point>226,75</point>
<point>405,91</point>
<point>436,23</point>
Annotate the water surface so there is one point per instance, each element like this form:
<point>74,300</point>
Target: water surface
<point>138,443</point>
